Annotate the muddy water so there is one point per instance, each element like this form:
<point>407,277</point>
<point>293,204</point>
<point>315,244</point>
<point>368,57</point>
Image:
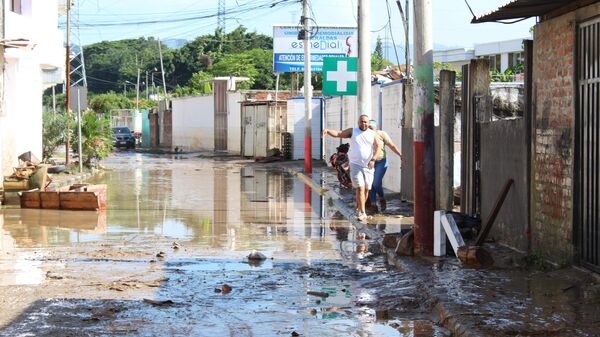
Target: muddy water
<point>175,232</point>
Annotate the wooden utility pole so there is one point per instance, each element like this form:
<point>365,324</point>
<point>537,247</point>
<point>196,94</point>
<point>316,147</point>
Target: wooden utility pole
<point>307,91</point>
<point>68,82</point>
<point>364,58</point>
<point>446,192</point>
<point>423,146</point>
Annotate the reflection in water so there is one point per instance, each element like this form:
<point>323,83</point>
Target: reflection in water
<point>33,227</point>
<point>210,204</point>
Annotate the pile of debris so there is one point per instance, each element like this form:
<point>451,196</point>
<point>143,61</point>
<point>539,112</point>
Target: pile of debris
<point>30,174</point>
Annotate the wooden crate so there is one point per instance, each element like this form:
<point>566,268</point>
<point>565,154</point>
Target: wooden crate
<point>30,199</point>
<point>49,200</point>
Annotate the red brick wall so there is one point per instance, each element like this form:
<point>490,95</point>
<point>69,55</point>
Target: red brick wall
<point>167,127</point>
<point>554,107</point>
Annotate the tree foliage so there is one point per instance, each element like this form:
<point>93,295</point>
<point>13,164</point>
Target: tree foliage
<point>110,63</point>
<point>104,103</point>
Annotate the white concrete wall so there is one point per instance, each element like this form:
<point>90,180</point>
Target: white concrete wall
<point>499,47</point>
<point>392,112</point>
<point>295,110</point>
<point>339,118</point>
<point>21,116</point>
<point>234,123</point>
<point>193,123</point>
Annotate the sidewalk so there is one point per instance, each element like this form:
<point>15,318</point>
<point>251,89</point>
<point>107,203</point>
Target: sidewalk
<point>515,297</point>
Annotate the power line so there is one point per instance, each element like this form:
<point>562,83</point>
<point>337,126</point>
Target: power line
<point>387,4</point>
<point>240,10</point>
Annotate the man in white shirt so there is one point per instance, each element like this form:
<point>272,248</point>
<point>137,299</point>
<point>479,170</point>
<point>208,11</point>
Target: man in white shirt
<point>363,146</point>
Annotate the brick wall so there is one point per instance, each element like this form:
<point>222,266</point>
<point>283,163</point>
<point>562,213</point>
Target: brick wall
<point>554,107</point>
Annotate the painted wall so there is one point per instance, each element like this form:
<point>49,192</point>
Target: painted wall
<point>295,110</point>
<point>21,116</point>
<point>193,123</point>
<point>391,122</point>
<point>234,123</point>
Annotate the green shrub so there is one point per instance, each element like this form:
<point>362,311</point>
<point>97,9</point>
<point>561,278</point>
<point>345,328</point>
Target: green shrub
<point>53,133</point>
<point>96,136</point>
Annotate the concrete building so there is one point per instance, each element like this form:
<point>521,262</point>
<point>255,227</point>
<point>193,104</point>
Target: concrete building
<point>501,54</point>
<point>34,59</point>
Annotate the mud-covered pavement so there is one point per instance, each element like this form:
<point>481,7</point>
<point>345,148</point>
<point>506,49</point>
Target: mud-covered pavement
<point>168,258</point>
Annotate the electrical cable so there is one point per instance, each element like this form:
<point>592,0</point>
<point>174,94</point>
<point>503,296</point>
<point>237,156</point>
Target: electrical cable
<point>474,16</point>
<point>391,32</point>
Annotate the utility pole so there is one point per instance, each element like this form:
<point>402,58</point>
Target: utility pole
<point>307,91</point>
<point>137,93</point>
<point>364,58</point>
<point>162,70</point>
<point>423,146</point>
<point>68,82</point>
<point>146,84</point>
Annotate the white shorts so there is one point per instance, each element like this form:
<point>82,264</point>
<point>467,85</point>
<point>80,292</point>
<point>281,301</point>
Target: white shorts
<point>361,176</point>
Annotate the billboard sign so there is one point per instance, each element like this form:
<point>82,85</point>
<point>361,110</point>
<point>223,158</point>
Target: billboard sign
<point>288,51</point>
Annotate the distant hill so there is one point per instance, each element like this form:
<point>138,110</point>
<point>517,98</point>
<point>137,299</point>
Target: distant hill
<point>174,43</point>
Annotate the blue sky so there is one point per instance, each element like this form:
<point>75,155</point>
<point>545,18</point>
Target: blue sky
<point>98,20</point>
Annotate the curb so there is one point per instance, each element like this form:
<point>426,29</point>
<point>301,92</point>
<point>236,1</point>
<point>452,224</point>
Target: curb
<point>77,178</point>
<point>445,317</point>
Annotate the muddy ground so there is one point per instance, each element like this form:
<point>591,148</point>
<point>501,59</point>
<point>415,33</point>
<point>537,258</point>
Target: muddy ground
<point>168,258</point>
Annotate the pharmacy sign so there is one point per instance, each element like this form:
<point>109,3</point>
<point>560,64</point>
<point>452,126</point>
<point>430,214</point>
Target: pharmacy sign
<point>340,76</point>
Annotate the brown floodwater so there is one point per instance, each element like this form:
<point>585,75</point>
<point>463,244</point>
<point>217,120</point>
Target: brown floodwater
<point>102,273</point>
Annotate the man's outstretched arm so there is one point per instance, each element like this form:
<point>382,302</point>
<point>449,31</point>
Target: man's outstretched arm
<point>337,133</point>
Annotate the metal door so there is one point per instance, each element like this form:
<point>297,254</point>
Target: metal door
<point>220,96</point>
<point>588,144</point>
<point>248,116</point>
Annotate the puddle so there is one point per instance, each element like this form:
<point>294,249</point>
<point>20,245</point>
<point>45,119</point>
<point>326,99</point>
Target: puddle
<point>218,211</point>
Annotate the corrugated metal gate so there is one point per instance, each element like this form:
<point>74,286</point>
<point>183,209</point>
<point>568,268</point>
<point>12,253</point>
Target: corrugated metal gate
<point>220,95</point>
<point>588,143</point>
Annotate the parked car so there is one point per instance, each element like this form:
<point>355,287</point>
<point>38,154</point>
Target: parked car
<point>122,137</point>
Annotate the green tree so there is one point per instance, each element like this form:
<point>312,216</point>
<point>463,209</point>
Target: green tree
<point>206,50</point>
<point>110,63</point>
<point>240,65</point>
<point>104,103</point>
<point>199,84</point>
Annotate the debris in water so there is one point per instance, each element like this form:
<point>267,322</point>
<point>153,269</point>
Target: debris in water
<point>159,303</point>
<point>382,314</point>
<point>226,289</point>
<point>318,293</point>
<point>53,276</point>
<point>295,334</point>
<point>161,254</point>
<point>255,255</point>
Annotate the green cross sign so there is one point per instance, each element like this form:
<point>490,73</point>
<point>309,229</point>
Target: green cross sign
<point>340,76</point>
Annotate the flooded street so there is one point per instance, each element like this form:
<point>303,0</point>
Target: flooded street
<point>169,257</point>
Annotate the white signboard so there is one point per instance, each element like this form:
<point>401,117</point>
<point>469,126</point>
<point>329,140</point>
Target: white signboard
<point>288,51</point>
